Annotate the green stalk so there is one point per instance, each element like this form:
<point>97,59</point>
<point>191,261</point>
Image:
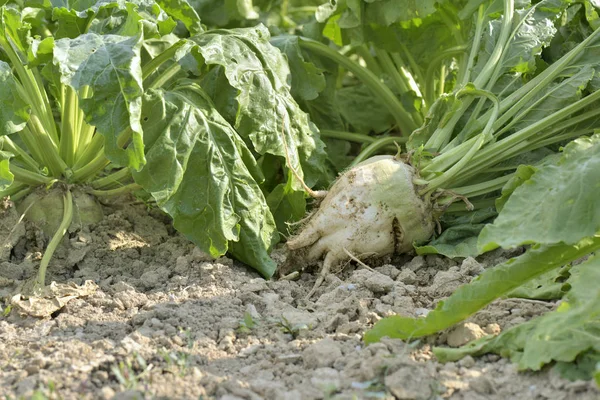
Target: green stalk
<point>456,158</point>
<point>512,104</point>
<point>160,59</point>
<point>92,168</point>
<point>16,187</point>
<point>382,92</point>
<point>89,152</point>
<point>399,80</point>
<point>504,149</point>
<point>349,136</point>
<point>433,67</point>
<point>372,64</point>
<point>56,239</point>
<point>6,143</point>
<point>462,207</point>
<point>483,187</point>
<point>69,127</point>
<point>375,147</point>
<point>465,73</point>
<point>33,88</point>
<point>410,77</point>
<point>29,177</point>
<point>48,149</point>
<point>113,179</point>
<point>442,136</point>
<point>411,61</point>
<point>165,76</point>
<point>132,187</point>
<point>99,161</point>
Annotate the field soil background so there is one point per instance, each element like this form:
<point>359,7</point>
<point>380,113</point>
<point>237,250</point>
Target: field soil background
<point>162,320</point>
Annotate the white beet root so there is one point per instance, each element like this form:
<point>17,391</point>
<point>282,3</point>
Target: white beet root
<point>372,209</point>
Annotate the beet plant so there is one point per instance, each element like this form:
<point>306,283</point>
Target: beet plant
<point>498,104</point>
<point>106,98</point>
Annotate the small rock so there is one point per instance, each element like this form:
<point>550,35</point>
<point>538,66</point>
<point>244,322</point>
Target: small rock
<point>252,311</point>
<point>470,266</point>
<point>374,281</point>
<point>464,333</point>
<point>384,310</point>
<point>407,276</point>
<point>182,265</point>
<point>389,270</point>
<point>106,393</point>
<point>298,319</point>
<point>327,379</point>
<point>422,312</point>
<point>445,283</point>
<point>321,354</point>
<point>200,256</point>
<point>467,362</point>
<point>482,385</point>
<point>416,263</point>
<point>492,329</point>
<point>409,383</point>
<point>131,298</point>
<point>255,285</point>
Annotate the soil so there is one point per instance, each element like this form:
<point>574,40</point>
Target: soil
<point>163,320</point>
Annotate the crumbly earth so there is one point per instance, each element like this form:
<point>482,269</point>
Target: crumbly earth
<point>168,322</point>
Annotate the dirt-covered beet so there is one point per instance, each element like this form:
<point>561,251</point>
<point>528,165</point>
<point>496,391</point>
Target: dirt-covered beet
<point>372,210</point>
<point>167,321</point>
<point>45,209</point>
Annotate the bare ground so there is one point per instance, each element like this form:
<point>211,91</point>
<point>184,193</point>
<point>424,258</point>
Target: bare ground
<point>166,321</point>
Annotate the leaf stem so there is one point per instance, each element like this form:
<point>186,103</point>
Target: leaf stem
<point>376,146</point>
<point>159,60</point>
<point>382,92</point>
<point>132,187</point>
<point>56,239</point>
<point>29,177</point>
<point>113,179</point>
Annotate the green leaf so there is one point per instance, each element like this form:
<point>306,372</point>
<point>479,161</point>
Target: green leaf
<point>490,285</point>
<point>182,11</point>
<point>459,238</point>
<point>522,174</point>
<point>457,241</point>
<point>110,65</point>
<point>562,335</point>
<point>218,13</point>
<point>197,173</point>
<point>583,368</point>
<point>259,72</point>
<point>548,286</point>
<point>14,112</point>
<point>565,198</point>
<point>6,177</point>
<point>306,79</point>
<point>362,110</point>
<point>287,205</point>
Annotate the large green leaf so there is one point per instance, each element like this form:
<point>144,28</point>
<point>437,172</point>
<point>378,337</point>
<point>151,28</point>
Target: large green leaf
<point>266,108</point>
<point>14,112</point>
<point>561,335</point>
<point>110,66</point>
<point>557,204</point>
<point>197,172</point>
<point>484,289</point>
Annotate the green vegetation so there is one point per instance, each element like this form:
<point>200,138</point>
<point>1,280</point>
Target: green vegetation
<point>225,114</point>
